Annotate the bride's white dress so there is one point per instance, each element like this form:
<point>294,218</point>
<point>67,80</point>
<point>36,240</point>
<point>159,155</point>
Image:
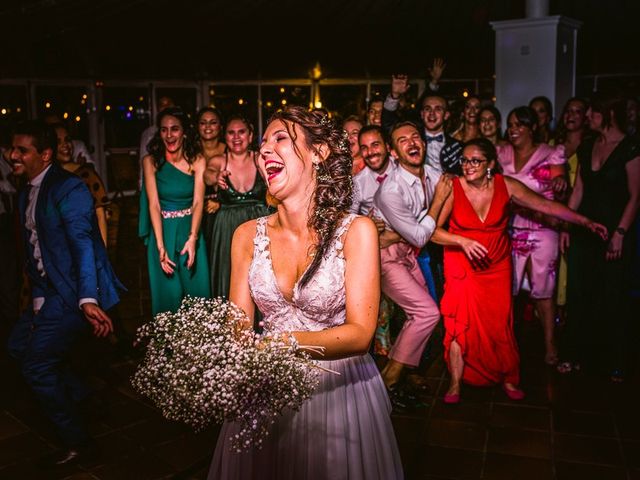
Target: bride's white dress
<point>344,430</point>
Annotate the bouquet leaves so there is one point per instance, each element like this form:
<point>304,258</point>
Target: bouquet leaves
<point>204,364</point>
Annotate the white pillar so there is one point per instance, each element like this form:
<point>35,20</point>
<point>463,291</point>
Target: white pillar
<point>535,56</point>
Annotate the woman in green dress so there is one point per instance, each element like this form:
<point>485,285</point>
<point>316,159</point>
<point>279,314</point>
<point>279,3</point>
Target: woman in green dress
<point>241,193</point>
<point>170,213</point>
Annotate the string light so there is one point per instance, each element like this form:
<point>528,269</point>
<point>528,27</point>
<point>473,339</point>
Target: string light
<point>84,97</point>
<point>107,108</point>
<point>141,98</point>
<point>284,101</point>
<point>269,104</point>
<point>18,109</point>
<point>78,118</point>
<point>318,104</point>
<point>3,111</point>
<point>465,94</point>
<point>281,89</point>
<point>130,108</point>
<point>65,115</point>
<point>47,105</point>
<point>240,101</point>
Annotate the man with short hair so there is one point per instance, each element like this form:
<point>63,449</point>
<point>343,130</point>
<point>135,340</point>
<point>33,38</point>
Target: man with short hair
<point>443,151</point>
<point>374,111</point>
<point>71,280</point>
<point>409,202</point>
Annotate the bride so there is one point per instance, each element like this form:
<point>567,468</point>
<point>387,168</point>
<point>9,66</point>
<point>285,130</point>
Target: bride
<point>313,271</point>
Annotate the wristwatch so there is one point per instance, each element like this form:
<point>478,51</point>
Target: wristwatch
<point>620,230</point>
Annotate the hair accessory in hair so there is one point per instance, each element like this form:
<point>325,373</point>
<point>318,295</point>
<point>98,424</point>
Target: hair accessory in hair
<point>325,121</point>
<point>343,143</point>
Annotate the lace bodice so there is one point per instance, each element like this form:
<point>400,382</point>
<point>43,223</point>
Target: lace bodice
<point>317,306</point>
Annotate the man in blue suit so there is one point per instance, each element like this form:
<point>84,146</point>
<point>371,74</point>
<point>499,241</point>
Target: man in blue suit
<point>71,280</point>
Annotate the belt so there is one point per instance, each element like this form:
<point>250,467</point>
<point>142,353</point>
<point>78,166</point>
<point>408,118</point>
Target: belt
<point>176,213</point>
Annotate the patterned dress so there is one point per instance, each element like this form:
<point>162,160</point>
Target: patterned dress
<point>533,238</point>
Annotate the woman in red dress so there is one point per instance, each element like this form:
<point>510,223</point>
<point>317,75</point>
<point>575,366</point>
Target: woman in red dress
<point>480,347</point>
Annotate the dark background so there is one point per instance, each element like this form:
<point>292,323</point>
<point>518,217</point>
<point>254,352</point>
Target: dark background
<point>247,39</point>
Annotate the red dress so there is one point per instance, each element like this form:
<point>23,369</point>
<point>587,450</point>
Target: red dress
<point>476,305</point>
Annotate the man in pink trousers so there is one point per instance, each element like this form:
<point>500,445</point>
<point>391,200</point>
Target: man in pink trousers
<point>409,202</point>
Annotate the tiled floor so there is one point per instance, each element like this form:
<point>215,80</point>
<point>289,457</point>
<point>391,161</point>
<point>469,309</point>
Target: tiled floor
<point>574,427</point>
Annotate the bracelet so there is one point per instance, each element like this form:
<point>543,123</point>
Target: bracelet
<point>621,231</point>
<point>293,343</point>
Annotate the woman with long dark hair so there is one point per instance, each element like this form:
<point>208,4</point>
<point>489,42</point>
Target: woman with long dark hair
<point>309,269</point>
<point>241,193</point>
<point>534,237</point>
<point>210,136</point>
<point>170,213</point>
<point>600,276</point>
<point>480,347</point>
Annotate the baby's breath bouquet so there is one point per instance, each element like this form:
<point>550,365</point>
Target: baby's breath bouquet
<point>204,364</point>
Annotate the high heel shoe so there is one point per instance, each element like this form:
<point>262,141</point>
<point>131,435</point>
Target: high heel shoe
<point>516,394</point>
<point>451,398</point>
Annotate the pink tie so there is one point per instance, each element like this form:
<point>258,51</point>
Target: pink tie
<point>381,178</point>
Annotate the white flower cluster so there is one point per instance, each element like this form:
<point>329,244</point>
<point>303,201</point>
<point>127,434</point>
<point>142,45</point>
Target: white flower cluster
<point>205,364</point>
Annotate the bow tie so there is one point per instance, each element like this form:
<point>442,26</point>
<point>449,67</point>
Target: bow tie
<point>437,138</point>
<point>380,178</point>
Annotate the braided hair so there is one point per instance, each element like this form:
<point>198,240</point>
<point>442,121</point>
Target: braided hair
<point>333,191</point>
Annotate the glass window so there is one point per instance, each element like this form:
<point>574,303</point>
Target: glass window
<point>126,115</point>
<point>65,104</point>
<point>274,97</point>
<point>186,98</point>
<point>344,100</point>
<point>13,105</point>
<point>235,99</point>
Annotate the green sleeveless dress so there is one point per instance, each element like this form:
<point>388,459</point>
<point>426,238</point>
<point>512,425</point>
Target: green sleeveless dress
<point>235,209</point>
<point>175,191</point>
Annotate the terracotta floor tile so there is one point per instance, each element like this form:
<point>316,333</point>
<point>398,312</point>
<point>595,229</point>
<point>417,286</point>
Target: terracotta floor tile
<point>574,448</point>
<point>514,441</point>
<point>445,433</point>
<point>583,471</point>
<point>508,467</point>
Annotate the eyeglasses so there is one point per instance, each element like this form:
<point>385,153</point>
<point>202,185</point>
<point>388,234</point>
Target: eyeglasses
<point>474,162</point>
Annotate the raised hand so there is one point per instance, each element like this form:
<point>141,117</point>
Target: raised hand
<point>399,85</point>
<point>436,70</point>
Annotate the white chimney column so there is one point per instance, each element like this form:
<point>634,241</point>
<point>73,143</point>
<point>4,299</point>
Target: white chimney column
<point>535,56</point>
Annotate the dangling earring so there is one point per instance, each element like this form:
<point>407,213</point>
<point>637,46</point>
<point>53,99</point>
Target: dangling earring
<point>489,173</point>
<point>316,165</point>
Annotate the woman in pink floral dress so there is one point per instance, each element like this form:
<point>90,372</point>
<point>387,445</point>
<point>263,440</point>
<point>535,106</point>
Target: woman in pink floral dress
<point>534,238</point>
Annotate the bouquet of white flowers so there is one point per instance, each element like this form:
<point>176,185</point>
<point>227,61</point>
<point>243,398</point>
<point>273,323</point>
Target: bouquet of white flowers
<point>205,364</point>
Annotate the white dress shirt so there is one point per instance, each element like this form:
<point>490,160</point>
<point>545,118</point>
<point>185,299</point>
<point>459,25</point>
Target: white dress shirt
<point>30,225</point>
<point>365,186</point>
<point>433,151</point>
<point>401,203</point>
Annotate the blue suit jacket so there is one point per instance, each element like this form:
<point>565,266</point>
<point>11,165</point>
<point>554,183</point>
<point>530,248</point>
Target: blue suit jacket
<point>73,254</point>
